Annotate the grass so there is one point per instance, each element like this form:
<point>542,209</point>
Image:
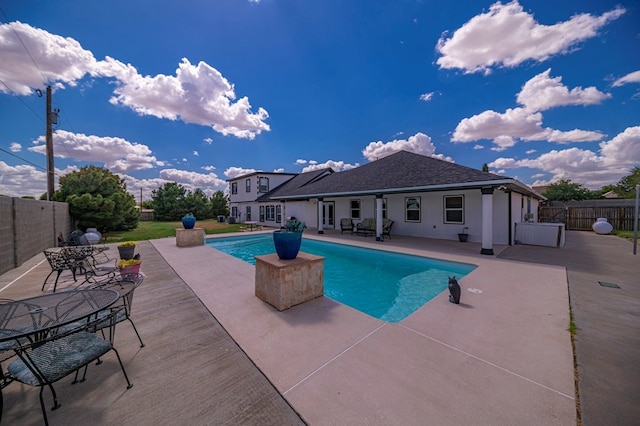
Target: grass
<point>624,234</point>
<point>151,230</point>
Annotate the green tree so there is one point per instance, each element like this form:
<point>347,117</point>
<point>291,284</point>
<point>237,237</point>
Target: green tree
<point>147,204</point>
<point>485,167</point>
<point>220,204</point>
<point>97,198</point>
<point>197,203</point>
<point>168,201</point>
<point>626,187</point>
<point>565,190</point>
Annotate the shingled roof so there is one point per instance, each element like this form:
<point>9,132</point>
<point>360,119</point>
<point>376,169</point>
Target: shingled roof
<point>402,171</point>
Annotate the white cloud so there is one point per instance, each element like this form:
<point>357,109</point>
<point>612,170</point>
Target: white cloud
<point>278,170</point>
<point>193,179</point>
<point>543,92</point>
<point>233,172</point>
<point>300,161</point>
<point>196,153</point>
<point>60,59</point>
<point>197,94</point>
<point>530,151</point>
<point>633,77</point>
<point>15,147</point>
<point>426,96</point>
<point>208,141</point>
<point>27,180</point>
<point>337,166</point>
<point>508,36</point>
<point>594,170</point>
<point>418,143</point>
<point>208,168</point>
<point>515,123</point>
<point>476,147</point>
<point>119,155</point>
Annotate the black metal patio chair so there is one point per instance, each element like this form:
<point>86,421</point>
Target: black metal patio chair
<point>126,286</point>
<point>59,262</point>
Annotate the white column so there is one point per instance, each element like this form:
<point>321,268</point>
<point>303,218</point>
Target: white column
<point>487,221</point>
<point>284,214</point>
<point>379,218</point>
<point>320,224</point>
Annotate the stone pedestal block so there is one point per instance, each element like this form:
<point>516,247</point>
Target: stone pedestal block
<point>286,283</point>
<point>189,237</point>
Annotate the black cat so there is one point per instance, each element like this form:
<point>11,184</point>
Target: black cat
<point>454,289</point>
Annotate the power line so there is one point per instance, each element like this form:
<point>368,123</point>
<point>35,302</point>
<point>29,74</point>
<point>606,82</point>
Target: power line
<point>22,159</point>
<point>23,45</point>
<point>20,99</point>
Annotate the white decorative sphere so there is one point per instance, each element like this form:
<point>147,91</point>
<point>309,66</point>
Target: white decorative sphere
<point>92,238</point>
<point>601,226</point>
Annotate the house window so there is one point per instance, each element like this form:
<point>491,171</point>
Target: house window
<point>278,213</point>
<point>234,187</point>
<point>248,213</point>
<point>261,213</point>
<point>248,184</point>
<point>234,211</point>
<point>454,209</point>
<point>271,213</point>
<point>412,209</point>
<point>355,209</point>
<point>263,184</point>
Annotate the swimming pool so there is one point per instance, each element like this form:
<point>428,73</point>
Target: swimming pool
<point>388,286</point>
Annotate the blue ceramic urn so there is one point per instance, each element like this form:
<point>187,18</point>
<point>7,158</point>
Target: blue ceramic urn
<point>188,221</point>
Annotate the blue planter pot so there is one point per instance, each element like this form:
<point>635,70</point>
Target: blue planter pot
<point>287,244</point>
<point>188,222</point>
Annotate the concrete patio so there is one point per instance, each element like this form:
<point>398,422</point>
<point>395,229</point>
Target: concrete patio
<point>215,354</point>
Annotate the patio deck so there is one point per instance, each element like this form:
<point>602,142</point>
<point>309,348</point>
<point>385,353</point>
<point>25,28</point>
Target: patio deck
<point>215,354</point>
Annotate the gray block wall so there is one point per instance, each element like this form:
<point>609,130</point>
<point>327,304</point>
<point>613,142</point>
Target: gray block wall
<point>28,227</point>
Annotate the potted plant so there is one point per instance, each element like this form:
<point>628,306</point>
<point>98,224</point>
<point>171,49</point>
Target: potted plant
<point>127,249</point>
<point>188,221</point>
<point>463,235</point>
<point>287,240</point>
<point>129,266</point>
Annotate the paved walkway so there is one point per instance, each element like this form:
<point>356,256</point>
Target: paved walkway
<point>502,357</point>
<point>607,319</point>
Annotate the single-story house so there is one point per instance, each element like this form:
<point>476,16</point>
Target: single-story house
<point>423,196</point>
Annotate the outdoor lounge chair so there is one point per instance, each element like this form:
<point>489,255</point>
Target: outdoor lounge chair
<point>43,362</point>
<point>366,227</point>
<point>386,227</point>
<point>346,224</point>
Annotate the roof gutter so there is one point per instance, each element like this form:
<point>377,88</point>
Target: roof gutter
<point>478,184</point>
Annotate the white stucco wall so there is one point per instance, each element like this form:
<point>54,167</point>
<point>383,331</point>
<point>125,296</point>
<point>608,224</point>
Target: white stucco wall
<point>431,223</point>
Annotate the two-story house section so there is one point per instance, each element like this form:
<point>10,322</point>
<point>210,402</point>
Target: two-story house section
<point>245,190</point>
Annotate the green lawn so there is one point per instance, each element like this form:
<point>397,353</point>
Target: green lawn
<point>149,230</point>
<point>624,234</point>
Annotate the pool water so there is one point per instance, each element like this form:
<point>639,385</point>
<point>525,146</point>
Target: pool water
<point>388,286</point>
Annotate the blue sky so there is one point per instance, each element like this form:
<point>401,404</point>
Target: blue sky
<point>197,92</point>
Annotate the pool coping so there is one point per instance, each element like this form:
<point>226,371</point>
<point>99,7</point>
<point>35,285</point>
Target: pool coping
<point>501,357</point>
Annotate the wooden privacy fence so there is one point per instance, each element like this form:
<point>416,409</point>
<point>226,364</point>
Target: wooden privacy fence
<point>580,218</point>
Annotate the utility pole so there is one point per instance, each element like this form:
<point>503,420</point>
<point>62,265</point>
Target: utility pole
<point>51,117</point>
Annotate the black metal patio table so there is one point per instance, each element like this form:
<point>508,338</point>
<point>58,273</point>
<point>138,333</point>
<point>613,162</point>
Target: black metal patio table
<point>34,318</point>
